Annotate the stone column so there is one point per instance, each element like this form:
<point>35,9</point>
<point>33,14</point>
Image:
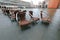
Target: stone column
<point>52,6</point>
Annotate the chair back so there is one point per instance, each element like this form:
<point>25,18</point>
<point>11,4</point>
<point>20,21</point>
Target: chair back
<point>31,14</point>
<point>22,16</point>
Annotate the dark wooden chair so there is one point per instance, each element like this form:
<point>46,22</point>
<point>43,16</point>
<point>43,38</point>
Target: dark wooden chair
<point>23,22</point>
<point>16,12</point>
<point>4,10</point>
<point>7,12</point>
<point>33,18</point>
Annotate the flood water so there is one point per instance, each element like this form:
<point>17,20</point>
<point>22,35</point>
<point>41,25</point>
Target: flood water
<point>11,31</point>
<point>36,12</point>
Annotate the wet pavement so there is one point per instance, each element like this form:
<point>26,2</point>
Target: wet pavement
<point>11,31</point>
<point>54,28</point>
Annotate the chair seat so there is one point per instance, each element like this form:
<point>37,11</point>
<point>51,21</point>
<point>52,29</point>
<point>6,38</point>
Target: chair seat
<point>35,18</point>
<point>46,19</point>
<point>24,22</point>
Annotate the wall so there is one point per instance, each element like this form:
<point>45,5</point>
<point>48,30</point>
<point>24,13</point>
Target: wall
<point>53,3</point>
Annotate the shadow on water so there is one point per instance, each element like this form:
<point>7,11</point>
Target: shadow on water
<point>25,28</point>
<point>45,23</point>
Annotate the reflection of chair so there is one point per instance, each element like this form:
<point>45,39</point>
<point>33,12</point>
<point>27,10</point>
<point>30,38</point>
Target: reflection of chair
<point>23,22</point>
<point>33,18</point>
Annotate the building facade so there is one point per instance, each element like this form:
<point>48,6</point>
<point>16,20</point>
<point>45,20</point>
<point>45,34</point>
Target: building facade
<point>15,3</point>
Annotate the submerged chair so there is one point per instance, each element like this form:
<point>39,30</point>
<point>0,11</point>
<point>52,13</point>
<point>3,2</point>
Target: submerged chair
<point>7,12</point>
<point>12,15</point>
<point>44,19</point>
<point>33,18</point>
<point>4,10</point>
<point>16,12</point>
<point>23,22</point>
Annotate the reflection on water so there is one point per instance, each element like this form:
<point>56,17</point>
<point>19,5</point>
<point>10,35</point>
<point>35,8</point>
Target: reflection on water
<point>36,12</point>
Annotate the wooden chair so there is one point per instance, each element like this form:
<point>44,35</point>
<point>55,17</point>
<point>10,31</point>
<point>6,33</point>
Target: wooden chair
<point>44,19</point>
<point>7,12</point>
<point>33,18</point>
<point>23,22</point>
<point>15,13</point>
<point>4,10</point>
<point>12,15</point>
